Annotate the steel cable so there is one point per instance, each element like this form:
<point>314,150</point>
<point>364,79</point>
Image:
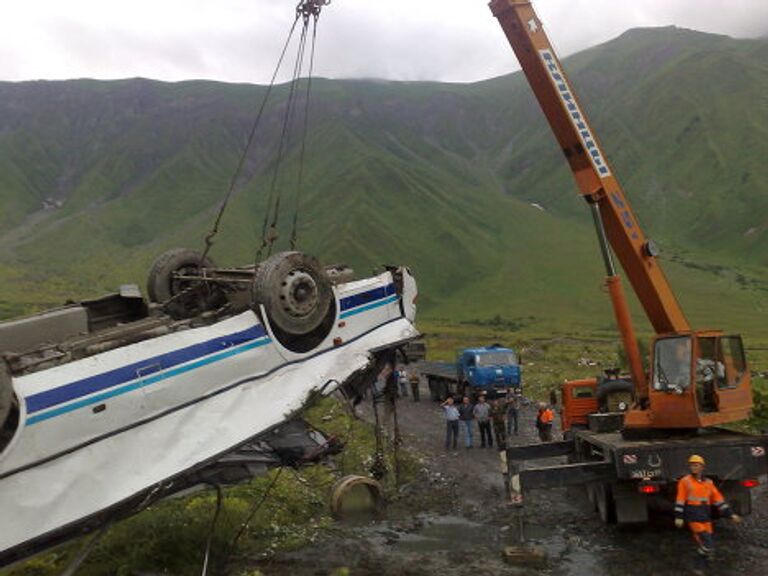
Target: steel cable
<point>269,225</point>
<point>300,186</point>
<point>251,136</point>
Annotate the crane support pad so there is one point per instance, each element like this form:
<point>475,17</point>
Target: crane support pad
<point>536,451</point>
<point>566,475</point>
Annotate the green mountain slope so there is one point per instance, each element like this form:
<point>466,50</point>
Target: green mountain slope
<point>96,178</point>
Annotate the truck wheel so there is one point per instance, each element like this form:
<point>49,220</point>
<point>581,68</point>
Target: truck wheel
<point>592,497</point>
<point>295,292</point>
<point>606,506</point>
<point>434,393</point>
<point>445,389</point>
<point>187,297</point>
<point>738,497</point>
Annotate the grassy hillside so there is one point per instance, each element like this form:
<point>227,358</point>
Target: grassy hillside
<point>96,178</point>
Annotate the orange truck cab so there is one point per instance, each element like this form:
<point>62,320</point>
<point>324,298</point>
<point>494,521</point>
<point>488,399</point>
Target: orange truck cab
<point>610,393</point>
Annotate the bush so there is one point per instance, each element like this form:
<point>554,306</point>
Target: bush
<point>760,410</point>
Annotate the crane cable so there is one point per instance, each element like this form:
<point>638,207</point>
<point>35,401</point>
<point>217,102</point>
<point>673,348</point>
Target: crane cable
<point>308,11</point>
<point>272,213</point>
<point>300,186</point>
<point>251,137</point>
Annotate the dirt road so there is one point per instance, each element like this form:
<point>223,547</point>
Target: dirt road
<point>454,521</point>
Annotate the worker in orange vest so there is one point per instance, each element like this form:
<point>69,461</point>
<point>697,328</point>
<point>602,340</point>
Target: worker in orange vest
<point>544,420</point>
<point>696,495</point>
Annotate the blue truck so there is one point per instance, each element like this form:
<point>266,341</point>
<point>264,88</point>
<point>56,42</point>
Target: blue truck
<point>490,369</point>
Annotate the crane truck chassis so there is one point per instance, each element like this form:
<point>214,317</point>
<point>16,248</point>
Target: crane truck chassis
<point>626,479</point>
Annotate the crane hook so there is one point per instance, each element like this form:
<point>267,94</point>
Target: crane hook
<point>307,8</point>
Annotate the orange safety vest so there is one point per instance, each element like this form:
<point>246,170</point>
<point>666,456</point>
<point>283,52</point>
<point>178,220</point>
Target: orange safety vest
<point>694,502</point>
<point>545,416</point>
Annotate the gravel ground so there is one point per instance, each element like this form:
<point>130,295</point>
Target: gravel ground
<point>454,521</point>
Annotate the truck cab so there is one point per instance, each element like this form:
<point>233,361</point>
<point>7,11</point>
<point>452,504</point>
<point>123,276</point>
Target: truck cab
<point>491,369</point>
<point>610,393</point>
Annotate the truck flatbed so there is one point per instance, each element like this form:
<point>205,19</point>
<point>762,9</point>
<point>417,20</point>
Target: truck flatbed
<point>627,477</point>
<point>442,369</point>
<point>729,454</point>
<point>442,379</point>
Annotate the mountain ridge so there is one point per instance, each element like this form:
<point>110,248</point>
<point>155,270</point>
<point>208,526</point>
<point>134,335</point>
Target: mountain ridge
<point>98,177</point>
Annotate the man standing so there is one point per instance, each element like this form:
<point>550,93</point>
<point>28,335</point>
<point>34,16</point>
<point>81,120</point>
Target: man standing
<point>451,423</point>
<point>544,420</point>
<point>402,381</point>
<point>466,413</point>
<point>696,496</point>
<point>415,381</point>
<point>482,414</point>
<point>513,409</point>
<point>498,411</point>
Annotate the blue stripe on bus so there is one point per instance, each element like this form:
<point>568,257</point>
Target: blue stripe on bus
<point>99,382</point>
<point>350,306</point>
<point>141,383</point>
<point>369,306</point>
<point>366,297</point>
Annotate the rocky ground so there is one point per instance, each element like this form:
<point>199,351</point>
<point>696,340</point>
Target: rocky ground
<point>453,520</point>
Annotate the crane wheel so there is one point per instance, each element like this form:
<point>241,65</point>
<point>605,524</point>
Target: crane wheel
<point>294,291</point>
<point>184,298</point>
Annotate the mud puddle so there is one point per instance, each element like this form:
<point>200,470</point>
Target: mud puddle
<point>443,533</point>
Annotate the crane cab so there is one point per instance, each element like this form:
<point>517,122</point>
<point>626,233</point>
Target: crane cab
<point>697,379</point>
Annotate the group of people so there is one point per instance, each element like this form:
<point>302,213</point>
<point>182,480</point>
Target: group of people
<point>497,419</point>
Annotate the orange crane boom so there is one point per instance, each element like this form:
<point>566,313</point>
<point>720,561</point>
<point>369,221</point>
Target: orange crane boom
<point>588,163</point>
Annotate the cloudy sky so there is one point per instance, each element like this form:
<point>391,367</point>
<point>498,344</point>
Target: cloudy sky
<point>239,40</point>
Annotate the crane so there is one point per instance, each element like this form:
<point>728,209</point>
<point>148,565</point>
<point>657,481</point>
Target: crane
<point>698,378</point>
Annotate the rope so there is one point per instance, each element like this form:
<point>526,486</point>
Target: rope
<point>251,136</point>
<point>212,529</point>
<point>378,467</point>
<point>396,443</point>
<point>252,514</point>
<point>86,550</point>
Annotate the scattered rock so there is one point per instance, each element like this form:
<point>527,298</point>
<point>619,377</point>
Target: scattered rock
<point>530,556</point>
<point>574,541</point>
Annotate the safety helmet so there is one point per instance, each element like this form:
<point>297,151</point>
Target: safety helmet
<point>696,459</point>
